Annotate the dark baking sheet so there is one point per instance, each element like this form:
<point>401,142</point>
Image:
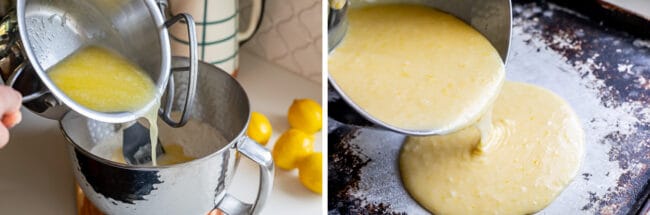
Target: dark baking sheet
<point>603,71</point>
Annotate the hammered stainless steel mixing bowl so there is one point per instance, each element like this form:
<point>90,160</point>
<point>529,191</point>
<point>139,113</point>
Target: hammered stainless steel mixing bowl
<point>490,17</point>
<point>194,187</point>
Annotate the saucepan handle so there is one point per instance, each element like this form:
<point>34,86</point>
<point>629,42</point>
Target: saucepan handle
<point>193,73</point>
<point>9,40</point>
<point>14,77</point>
<point>260,155</point>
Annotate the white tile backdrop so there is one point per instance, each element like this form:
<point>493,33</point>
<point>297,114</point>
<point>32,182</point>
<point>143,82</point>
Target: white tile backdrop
<point>290,35</point>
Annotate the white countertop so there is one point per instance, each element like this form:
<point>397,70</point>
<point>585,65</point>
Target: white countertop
<point>271,91</point>
<point>36,176</point>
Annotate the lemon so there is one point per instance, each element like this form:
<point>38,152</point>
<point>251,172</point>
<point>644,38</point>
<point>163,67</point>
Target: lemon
<point>310,172</point>
<point>259,128</point>
<point>292,146</point>
<point>306,115</point>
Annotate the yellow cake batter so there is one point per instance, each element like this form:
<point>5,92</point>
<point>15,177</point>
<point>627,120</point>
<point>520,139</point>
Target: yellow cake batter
<point>416,68</point>
<point>105,81</point>
<point>195,139</point>
<point>174,154</point>
<point>538,153</point>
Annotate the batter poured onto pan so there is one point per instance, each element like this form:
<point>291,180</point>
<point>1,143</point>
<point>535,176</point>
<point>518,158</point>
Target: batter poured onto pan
<point>536,158</point>
<point>418,68</point>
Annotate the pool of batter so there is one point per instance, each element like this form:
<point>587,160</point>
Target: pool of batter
<point>538,153</point>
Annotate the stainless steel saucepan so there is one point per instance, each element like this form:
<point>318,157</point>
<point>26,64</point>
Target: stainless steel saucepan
<point>37,34</point>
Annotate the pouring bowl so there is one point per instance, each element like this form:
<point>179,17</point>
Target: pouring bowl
<point>37,34</point>
<point>492,18</point>
<point>52,30</point>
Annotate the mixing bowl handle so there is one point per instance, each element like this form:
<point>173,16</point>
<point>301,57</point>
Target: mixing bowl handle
<point>260,155</point>
<point>193,68</point>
